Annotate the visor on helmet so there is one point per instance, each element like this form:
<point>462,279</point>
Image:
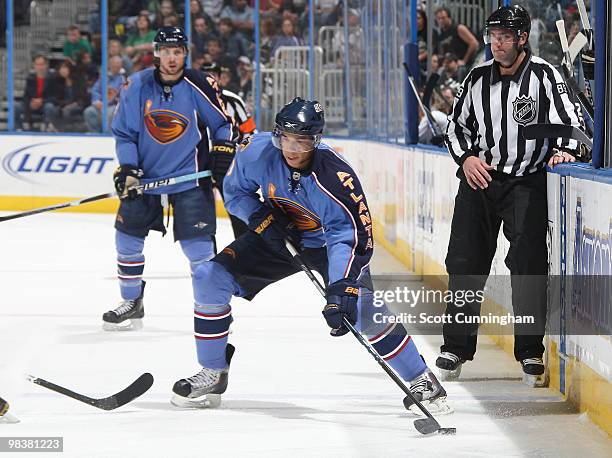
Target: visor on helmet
<point>294,143</point>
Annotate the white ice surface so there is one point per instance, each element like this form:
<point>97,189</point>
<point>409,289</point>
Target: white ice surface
<point>294,390</point>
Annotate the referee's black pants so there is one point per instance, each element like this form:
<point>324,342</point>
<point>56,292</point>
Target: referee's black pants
<point>520,203</point>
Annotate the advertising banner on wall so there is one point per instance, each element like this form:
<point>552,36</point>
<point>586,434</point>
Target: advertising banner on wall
<point>56,165</point>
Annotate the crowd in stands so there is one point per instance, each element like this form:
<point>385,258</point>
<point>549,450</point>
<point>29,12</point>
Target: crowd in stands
<point>66,94</point>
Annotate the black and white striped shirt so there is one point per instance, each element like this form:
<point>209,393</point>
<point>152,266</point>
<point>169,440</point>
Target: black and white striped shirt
<point>490,112</point>
<point>235,108</point>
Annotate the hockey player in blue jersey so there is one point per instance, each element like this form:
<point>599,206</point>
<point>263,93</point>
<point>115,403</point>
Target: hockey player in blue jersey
<point>160,129</point>
<point>314,198</point>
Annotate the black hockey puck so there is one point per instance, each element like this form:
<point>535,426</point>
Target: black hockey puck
<point>447,431</point>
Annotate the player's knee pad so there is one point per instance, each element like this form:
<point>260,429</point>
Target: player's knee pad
<point>213,285</point>
<point>198,251</point>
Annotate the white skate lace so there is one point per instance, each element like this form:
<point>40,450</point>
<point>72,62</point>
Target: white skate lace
<point>533,361</point>
<point>204,378</point>
<point>451,356</point>
<point>420,384</point>
<point>124,307</point>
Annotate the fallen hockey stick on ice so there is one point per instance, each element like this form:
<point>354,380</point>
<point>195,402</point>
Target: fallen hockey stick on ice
<point>136,389</point>
<point>5,416</point>
<point>423,425</point>
<point>543,131</point>
<point>144,187</point>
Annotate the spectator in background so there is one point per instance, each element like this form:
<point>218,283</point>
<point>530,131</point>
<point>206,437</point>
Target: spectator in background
<point>200,35</point>
<point>439,114</point>
<point>233,43</point>
<point>166,9</point>
<point>86,67</point>
<point>455,38</point>
<point>116,80</point>
<point>75,44</point>
<point>271,9</point>
<point>422,42</point>
<point>39,95</point>
<point>116,49</point>
<point>215,53</point>
<point>266,40</point>
<point>171,20</point>
<point>139,44</point>
<point>241,15</point>
<point>195,8</point>
<point>244,69</point>
<point>452,74</point>
<point>287,37</point>
<point>72,98</point>
<point>213,8</point>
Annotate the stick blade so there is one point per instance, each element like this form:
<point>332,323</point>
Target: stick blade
<point>138,387</point>
<point>426,425</point>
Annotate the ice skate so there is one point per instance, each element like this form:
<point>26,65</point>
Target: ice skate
<point>5,416</point>
<point>533,372</point>
<point>127,317</point>
<point>204,389</point>
<point>427,389</point>
<point>449,366</point>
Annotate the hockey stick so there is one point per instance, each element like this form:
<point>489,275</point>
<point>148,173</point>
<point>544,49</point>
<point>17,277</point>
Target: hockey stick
<point>543,131</point>
<point>5,416</point>
<point>140,386</point>
<point>144,187</point>
<point>430,119</point>
<point>423,425</point>
<point>568,71</point>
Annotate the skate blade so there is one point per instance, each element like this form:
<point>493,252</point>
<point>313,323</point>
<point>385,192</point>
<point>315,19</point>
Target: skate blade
<point>207,401</point>
<point>437,407</point>
<point>535,381</point>
<point>8,419</point>
<point>135,324</point>
<point>449,376</point>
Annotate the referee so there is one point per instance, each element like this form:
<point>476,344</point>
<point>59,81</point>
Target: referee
<point>503,180</point>
<point>244,127</point>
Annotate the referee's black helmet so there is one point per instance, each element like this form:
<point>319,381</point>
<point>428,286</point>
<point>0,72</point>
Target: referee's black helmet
<point>514,18</point>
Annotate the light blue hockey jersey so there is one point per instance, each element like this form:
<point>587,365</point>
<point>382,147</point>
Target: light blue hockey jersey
<point>326,202</point>
<point>164,133</point>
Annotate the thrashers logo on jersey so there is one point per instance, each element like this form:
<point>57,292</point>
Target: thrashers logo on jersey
<point>304,219</point>
<point>165,126</point>
<point>524,110</point>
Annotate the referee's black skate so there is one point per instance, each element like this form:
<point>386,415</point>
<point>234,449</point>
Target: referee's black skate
<point>449,365</point>
<point>427,389</point>
<point>204,389</point>
<point>533,372</point>
<point>127,317</point>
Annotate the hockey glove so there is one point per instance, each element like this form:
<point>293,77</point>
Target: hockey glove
<point>126,177</point>
<point>221,157</point>
<point>273,226</point>
<point>341,302</point>
<point>588,64</point>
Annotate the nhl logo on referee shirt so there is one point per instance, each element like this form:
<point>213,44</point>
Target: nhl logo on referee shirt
<point>524,110</point>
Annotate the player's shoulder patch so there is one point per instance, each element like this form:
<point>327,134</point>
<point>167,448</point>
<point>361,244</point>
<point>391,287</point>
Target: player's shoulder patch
<point>253,147</point>
<point>201,82</point>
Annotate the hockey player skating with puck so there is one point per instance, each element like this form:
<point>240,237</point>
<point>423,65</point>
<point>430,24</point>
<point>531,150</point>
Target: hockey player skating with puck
<point>502,179</point>
<point>314,198</point>
<point>160,129</point>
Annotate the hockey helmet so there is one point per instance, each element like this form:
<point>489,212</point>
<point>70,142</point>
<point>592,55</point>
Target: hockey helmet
<point>170,36</point>
<point>300,117</point>
<point>515,18</point>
